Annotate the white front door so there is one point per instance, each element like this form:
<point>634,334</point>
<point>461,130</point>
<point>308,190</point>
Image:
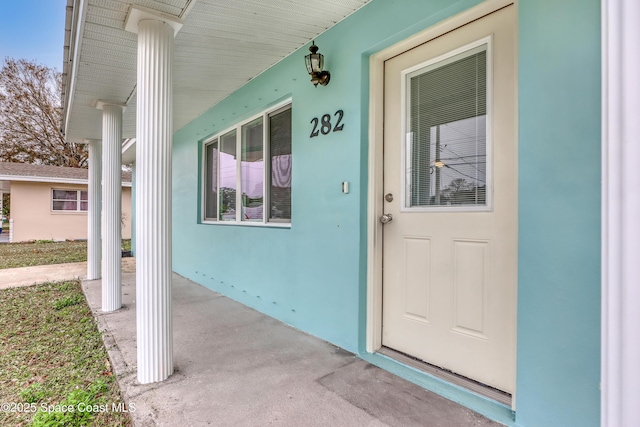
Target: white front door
<point>450,187</point>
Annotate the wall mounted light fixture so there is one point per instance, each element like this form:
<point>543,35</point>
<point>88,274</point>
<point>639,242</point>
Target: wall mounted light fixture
<point>315,63</point>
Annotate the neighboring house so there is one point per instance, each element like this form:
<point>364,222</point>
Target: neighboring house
<point>453,195</point>
<point>51,202</point>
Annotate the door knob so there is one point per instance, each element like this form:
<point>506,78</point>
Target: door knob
<point>386,218</point>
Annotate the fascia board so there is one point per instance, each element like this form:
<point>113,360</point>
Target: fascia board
<point>25,178</point>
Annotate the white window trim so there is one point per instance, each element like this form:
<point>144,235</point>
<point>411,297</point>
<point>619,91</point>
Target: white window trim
<point>78,201</point>
<point>277,108</point>
<point>404,102</point>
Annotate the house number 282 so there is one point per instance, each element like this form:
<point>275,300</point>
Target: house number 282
<point>324,125</point>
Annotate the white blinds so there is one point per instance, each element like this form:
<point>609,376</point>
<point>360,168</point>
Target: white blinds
<point>447,152</point>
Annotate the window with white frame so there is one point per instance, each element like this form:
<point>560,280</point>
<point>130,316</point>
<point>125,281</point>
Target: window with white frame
<point>247,171</point>
<point>447,154</point>
<point>70,200</point>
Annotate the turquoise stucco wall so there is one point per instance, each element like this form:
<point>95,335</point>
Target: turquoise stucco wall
<point>313,275</point>
<point>559,213</point>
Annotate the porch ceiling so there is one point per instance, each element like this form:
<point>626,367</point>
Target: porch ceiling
<point>222,45</point>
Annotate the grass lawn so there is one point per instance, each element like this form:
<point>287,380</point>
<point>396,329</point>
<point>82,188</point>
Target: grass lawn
<point>41,253</point>
<point>14,255</point>
<point>52,357</point>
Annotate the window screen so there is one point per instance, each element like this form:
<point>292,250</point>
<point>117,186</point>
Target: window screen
<point>252,170</point>
<point>84,200</point>
<point>228,184</point>
<point>211,181</point>
<point>280,153</point>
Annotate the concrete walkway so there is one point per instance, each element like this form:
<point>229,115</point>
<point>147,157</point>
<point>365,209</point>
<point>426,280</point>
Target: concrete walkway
<point>237,367</point>
<point>26,276</point>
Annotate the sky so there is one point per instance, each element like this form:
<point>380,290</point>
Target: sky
<point>33,30</point>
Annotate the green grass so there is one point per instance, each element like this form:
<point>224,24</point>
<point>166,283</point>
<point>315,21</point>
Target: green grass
<point>52,356</point>
<point>45,252</point>
<point>41,253</point>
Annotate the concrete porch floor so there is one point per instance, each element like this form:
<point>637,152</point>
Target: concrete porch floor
<point>237,367</point>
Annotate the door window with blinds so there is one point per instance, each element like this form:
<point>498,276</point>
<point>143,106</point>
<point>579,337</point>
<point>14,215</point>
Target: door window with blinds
<point>447,154</point>
<point>247,172</point>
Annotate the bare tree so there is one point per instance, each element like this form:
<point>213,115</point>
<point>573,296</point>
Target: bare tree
<point>30,117</point>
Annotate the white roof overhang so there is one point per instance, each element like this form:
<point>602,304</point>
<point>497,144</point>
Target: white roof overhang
<point>28,178</point>
<point>221,46</point>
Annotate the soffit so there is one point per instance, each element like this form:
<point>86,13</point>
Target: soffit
<point>222,45</point>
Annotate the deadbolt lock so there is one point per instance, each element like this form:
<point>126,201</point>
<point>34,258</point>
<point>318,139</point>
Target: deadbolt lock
<point>389,197</point>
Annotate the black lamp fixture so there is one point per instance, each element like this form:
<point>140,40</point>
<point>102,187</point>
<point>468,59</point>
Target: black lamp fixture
<point>315,63</point>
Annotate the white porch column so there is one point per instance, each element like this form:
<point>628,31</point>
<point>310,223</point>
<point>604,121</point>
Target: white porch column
<point>133,208</point>
<point>94,241</point>
<point>154,132</point>
<point>620,213</point>
<point>111,206</point>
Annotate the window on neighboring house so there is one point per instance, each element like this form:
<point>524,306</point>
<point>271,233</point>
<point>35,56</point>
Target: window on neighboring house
<point>70,200</point>
<point>240,186</point>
